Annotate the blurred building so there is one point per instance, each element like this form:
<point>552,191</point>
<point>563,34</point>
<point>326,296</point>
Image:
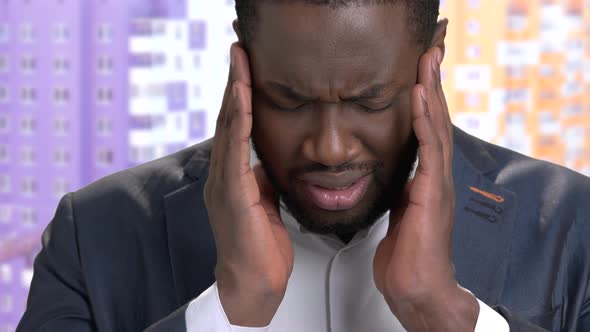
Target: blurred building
<point>88,88</point>
<point>517,74</point>
<point>91,87</point>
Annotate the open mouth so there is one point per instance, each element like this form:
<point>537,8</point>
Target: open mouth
<point>337,197</point>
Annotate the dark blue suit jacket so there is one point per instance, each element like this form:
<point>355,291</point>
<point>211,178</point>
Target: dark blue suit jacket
<point>130,251</point>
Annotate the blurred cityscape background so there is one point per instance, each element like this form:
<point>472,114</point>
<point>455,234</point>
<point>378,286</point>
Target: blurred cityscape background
<point>90,87</point>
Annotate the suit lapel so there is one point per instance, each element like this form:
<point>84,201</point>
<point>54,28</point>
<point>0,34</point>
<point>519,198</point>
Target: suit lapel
<point>190,240</point>
<point>484,219</point>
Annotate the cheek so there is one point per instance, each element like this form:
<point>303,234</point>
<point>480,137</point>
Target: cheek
<point>276,138</point>
<point>386,134</point>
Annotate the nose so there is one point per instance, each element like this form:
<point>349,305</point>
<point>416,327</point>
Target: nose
<point>331,141</point>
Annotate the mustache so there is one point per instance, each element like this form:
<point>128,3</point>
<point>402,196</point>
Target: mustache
<point>372,166</point>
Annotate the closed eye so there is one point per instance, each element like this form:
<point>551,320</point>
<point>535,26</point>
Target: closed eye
<point>288,108</point>
<point>374,108</point>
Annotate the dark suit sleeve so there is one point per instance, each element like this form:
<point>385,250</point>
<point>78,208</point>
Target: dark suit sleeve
<point>175,322</point>
<point>58,298</point>
<point>585,319</point>
<point>516,323</point>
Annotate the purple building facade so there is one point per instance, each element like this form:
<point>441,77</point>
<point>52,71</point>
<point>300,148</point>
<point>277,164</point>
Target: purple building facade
<point>42,108</point>
<point>88,88</point>
<point>63,120</point>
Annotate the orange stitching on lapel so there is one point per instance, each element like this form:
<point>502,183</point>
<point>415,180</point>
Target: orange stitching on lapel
<point>493,197</point>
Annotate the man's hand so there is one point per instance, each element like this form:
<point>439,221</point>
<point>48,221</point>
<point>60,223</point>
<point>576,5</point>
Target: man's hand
<point>412,266</point>
<point>254,252</point>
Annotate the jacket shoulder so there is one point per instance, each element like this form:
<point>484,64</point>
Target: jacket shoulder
<point>144,186</point>
<point>518,172</point>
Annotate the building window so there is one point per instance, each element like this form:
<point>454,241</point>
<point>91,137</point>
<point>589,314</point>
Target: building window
<point>3,124</point>
<point>28,156</point>
<point>3,63</point>
<point>141,154</point>
<point>28,64</point>
<point>27,33</point>
<point>5,184</point>
<point>133,91</point>
<point>3,94</point>
<point>7,327</point>
<point>61,127</point>
<point>156,90</point>
<point>3,32</point>
<point>61,157</point>
<point>197,91</point>
<point>104,127</point>
<point>6,304</point>
<point>61,187</point>
<point>28,126</point>
<point>28,216</point>
<point>197,63</point>
<point>28,95</point>
<point>4,155</point>
<point>61,33</point>
<point>159,27</point>
<point>61,96</point>
<point>104,33</point>
<point>5,213</point>
<point>104,157</point>
<point>61,65</point>
<point>29,186</point>
<point>104,96</point>
<point>104,65</point>
<point>5,273</point>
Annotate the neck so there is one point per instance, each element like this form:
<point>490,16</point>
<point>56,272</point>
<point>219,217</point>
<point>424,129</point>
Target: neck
<point>345,237</point>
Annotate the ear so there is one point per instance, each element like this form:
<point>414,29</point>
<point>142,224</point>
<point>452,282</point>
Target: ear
<point>236,26</point>
<point>438,40</point>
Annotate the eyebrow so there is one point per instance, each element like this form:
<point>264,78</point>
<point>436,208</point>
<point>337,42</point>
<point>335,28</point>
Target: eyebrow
<point>290,93</point>
<point>372,92</point>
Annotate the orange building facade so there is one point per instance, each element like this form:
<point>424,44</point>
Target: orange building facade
<point>517,73</point>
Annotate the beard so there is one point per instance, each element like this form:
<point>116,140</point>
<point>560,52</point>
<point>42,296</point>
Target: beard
<point>385,195</point>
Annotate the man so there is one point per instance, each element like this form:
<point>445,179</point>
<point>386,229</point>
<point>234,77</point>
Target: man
<point>338,228</point>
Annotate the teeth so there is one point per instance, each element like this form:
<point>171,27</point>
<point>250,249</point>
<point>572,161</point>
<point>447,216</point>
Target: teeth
<point>337,188</point>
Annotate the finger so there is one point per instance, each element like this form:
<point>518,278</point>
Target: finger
<point>430,147</point>
<point>429,77</point>
<point>239,72</point>
<point>241,66</point>
<point>218,141</point>
<point>268,196</point>
<point>239,115</point>
<point>443,103</point>
<point>441,91</point>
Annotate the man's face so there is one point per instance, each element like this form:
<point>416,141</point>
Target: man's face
<point>331,105</point>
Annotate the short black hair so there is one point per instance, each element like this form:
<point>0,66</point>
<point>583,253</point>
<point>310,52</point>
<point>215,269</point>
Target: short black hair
<point>422,15</point>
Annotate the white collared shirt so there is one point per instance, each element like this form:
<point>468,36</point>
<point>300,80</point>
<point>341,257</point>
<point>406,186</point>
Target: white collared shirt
<point>331,288</point>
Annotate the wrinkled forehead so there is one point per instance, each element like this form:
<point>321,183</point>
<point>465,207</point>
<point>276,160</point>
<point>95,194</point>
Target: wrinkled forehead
<point>357,42</point>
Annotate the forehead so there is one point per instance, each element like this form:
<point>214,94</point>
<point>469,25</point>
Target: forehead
<point>306,43</point>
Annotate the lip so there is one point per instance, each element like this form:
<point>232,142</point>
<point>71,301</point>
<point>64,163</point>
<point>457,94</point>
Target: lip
<point>337,192</point>
<point>330,180</point>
